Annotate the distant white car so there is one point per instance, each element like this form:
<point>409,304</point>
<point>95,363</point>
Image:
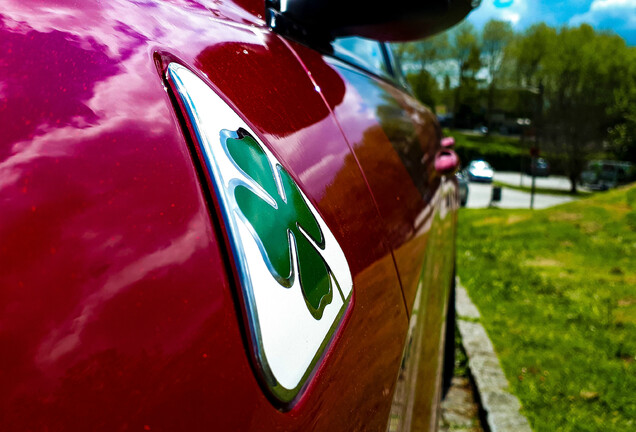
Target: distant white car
<point>479,171</point>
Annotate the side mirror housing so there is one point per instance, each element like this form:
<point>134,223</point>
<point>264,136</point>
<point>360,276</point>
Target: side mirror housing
<point>324,20</point>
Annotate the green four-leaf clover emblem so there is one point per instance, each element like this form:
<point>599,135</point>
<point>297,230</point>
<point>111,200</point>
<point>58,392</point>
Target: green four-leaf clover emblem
<point>294,279</point>
<point>282,223</point>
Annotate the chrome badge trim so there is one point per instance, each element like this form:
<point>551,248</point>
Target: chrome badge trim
<point>288,339</point>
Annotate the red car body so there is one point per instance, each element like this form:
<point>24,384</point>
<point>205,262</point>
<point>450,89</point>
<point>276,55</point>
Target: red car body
<point>118,298</point>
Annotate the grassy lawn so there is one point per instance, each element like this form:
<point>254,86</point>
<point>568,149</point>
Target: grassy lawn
<point>541,190</point>
<point>557,293</point>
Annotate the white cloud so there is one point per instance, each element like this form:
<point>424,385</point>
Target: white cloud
<point>618,15</point>
<point>513,17</point>
<point>512,11</point>
<point>611,4</point>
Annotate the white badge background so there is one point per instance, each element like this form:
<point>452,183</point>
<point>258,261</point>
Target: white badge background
<point>290,336</point>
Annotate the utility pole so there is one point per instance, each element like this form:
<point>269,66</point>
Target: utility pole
<point>534,151</point>
<point>533,165</point>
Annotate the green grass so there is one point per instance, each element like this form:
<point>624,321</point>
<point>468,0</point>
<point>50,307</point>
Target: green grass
<point>557,293</point>
<point>549,191</point>
<point>461,360</point>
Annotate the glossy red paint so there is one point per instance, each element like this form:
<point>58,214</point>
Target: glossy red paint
<point>117,306</point>
<point>396,142</point>
<point>396,154</point>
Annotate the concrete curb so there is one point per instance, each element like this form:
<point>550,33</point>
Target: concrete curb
<point>501,406</point>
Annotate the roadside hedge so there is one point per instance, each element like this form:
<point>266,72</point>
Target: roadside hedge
<point>503,153</point>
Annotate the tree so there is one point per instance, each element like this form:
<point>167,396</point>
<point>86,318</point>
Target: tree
<point>419,59</point>
<point>496,36</point>
<point>622,133</point>
<point>425,87</point>
<point>463,43</point>
<point>465,51</point>
<point>421,54</point>
<point>529,52</point>
<point>581,73</point>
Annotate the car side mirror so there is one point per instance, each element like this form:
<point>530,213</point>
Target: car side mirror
<point>448,142</point>
<point>395,21</point>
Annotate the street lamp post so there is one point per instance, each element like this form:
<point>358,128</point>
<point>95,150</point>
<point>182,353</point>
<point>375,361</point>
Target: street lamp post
<point>534,153</point>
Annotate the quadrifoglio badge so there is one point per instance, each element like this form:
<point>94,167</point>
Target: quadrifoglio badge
<point>295,279</point>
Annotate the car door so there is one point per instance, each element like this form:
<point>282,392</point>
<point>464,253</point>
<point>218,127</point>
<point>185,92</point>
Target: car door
<point>122,299</point>
<point>396,142</point>
<point>290,117</point>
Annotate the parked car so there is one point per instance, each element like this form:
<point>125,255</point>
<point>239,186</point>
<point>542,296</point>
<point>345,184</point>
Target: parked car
<point>217,216</point>
<point>483,130</point>
<point>604,175</point>
<point>479,171</point>
<point>539,167</point>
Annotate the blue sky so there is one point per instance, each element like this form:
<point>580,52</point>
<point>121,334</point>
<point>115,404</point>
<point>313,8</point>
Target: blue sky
<point>616,15</point>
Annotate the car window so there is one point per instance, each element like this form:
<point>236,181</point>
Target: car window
<point>480,165</point>
<point>396,67</point>
<point>365,53</point>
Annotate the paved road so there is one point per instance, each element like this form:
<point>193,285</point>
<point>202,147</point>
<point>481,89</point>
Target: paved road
<point>516,179</point>
<point>479,196</point>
